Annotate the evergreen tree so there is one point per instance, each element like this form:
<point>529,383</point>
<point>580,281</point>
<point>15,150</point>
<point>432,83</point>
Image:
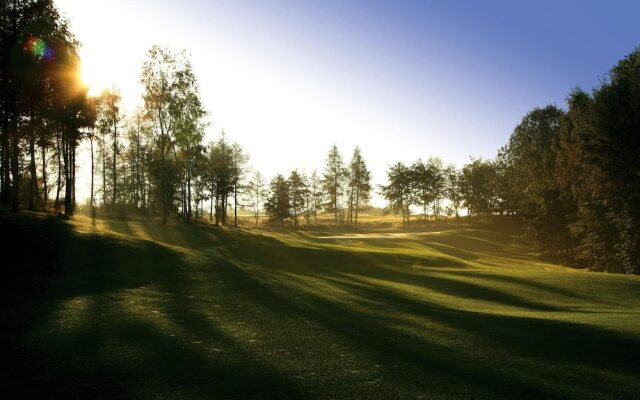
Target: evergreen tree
<point>278,205</point>
<point>333,182</point>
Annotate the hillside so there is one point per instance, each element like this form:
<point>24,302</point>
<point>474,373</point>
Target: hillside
<point>139,310</point>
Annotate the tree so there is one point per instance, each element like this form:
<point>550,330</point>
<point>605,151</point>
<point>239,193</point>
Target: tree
<point>478,187</point>
<point>278,206</point>
<point>256,192</point>
<point>186,113</point>
<point>528,165</point>
<point>399,192</point>
<point>222,177</point>
<point>72,110</point>
<point>359,185</point>
<point>453,188</point>
<point>38,69</point>
<point>438,183</point>
<point>316,194</point>
<point>160,78</point>
<point>238,170</point>
<point>422,185</point>
<point>333,181</point>
<point>138,135</point>
<point>109,118</point>
<point>598,168</point>
<point>297,195</point>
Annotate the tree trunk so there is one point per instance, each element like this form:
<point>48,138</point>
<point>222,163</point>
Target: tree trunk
<point>335,206</point>
<point>115,153</point>
<point>189,216</point>
<point>257,207</point>
<point>104,170</point>
<point>225,205</point>
<point>357,204</point>
<point>91,198</point>
<point>72,147</point>
<point>67,184</point>
<point>34,193</point>
<point>15,166</point>
<point>6,176</point>
<point>45,194</point>
<point>211,206</point>
<point>217,209</point>
<point>139,188</point>
<point>350,212</point>
<point>56,204</point>
<point>183,196</point>
<point>235,205</point>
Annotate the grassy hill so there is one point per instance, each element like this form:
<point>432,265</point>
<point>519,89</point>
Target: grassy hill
<point>137,310</point>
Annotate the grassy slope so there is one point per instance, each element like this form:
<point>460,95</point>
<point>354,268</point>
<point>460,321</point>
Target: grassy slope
<point>121,309</point>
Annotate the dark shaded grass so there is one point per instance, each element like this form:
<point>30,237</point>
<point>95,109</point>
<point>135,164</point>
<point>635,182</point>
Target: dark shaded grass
<point>383,344</point>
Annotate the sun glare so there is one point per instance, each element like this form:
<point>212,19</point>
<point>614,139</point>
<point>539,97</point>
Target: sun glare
<point>95,77</point>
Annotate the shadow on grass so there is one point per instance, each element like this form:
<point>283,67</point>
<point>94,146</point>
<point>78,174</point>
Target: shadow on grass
<point>491,356</point>
<point>105,350</point>
<point>184,335</point>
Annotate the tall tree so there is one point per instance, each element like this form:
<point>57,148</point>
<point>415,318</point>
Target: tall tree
<point>278,205</point>
<point>109,117</point>
<point>333,181</point>
<point>316,194</point>
<point>220,156</point>
<point>256,192</point>
<point>453,188</point>
<point>478,187</point>
<point>422,185</point>
<point>238,170</point>
<point>530,161</point>
<point>187,114</point>
<point>598,167</point>
<point>359,185</point>
<point>399,191</point>
<point>37,51</point>
<point>297,195</point>
<point>159,78</point>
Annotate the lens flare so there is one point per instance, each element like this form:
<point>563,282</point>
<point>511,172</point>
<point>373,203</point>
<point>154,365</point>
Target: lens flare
<point>39,48</point>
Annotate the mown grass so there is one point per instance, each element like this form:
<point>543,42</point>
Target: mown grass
<point>114,309</point>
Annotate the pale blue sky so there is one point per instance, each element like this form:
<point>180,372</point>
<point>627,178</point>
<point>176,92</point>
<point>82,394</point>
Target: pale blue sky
<point>403,80</point>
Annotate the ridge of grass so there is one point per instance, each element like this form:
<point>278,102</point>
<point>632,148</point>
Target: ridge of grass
<point>118,309</point>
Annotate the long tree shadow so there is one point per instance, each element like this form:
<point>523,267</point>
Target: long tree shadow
<point>109,349</point>
<point>154,324</point>
<point>511,356</point>
<point>270,253</point>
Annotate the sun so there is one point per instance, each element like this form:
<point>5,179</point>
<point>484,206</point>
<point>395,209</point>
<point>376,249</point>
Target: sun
<point>95,75</point>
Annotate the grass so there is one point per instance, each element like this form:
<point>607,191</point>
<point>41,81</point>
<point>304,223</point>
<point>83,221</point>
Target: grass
<point>114,309</point>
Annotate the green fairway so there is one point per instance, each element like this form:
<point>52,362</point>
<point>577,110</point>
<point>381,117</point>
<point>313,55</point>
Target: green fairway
<point>138,310</point>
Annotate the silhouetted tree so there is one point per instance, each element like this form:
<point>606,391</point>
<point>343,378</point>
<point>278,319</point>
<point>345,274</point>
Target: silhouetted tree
<point>256,192</point>
<point>316,194</point>
<point>333,181</point>
<point>239,160</point>
<point>297,195</point>
<point>278,205</point>
<point>399,192</point>
<point>453,188</point>
<point>359,185</point>
<point>478,187</point>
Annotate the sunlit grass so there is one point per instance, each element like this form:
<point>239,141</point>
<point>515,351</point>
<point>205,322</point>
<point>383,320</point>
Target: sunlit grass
<point>142,310</point>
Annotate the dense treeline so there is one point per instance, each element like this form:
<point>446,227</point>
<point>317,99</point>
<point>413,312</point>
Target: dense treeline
<point>342,191</point>
<point>44,109</point>
<point>570,178</point>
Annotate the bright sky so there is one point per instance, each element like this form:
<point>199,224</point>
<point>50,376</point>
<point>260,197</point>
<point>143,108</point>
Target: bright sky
<point>287,79</point>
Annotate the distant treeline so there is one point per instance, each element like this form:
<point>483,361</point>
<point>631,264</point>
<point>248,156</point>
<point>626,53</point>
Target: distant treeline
<point>571,178</point>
